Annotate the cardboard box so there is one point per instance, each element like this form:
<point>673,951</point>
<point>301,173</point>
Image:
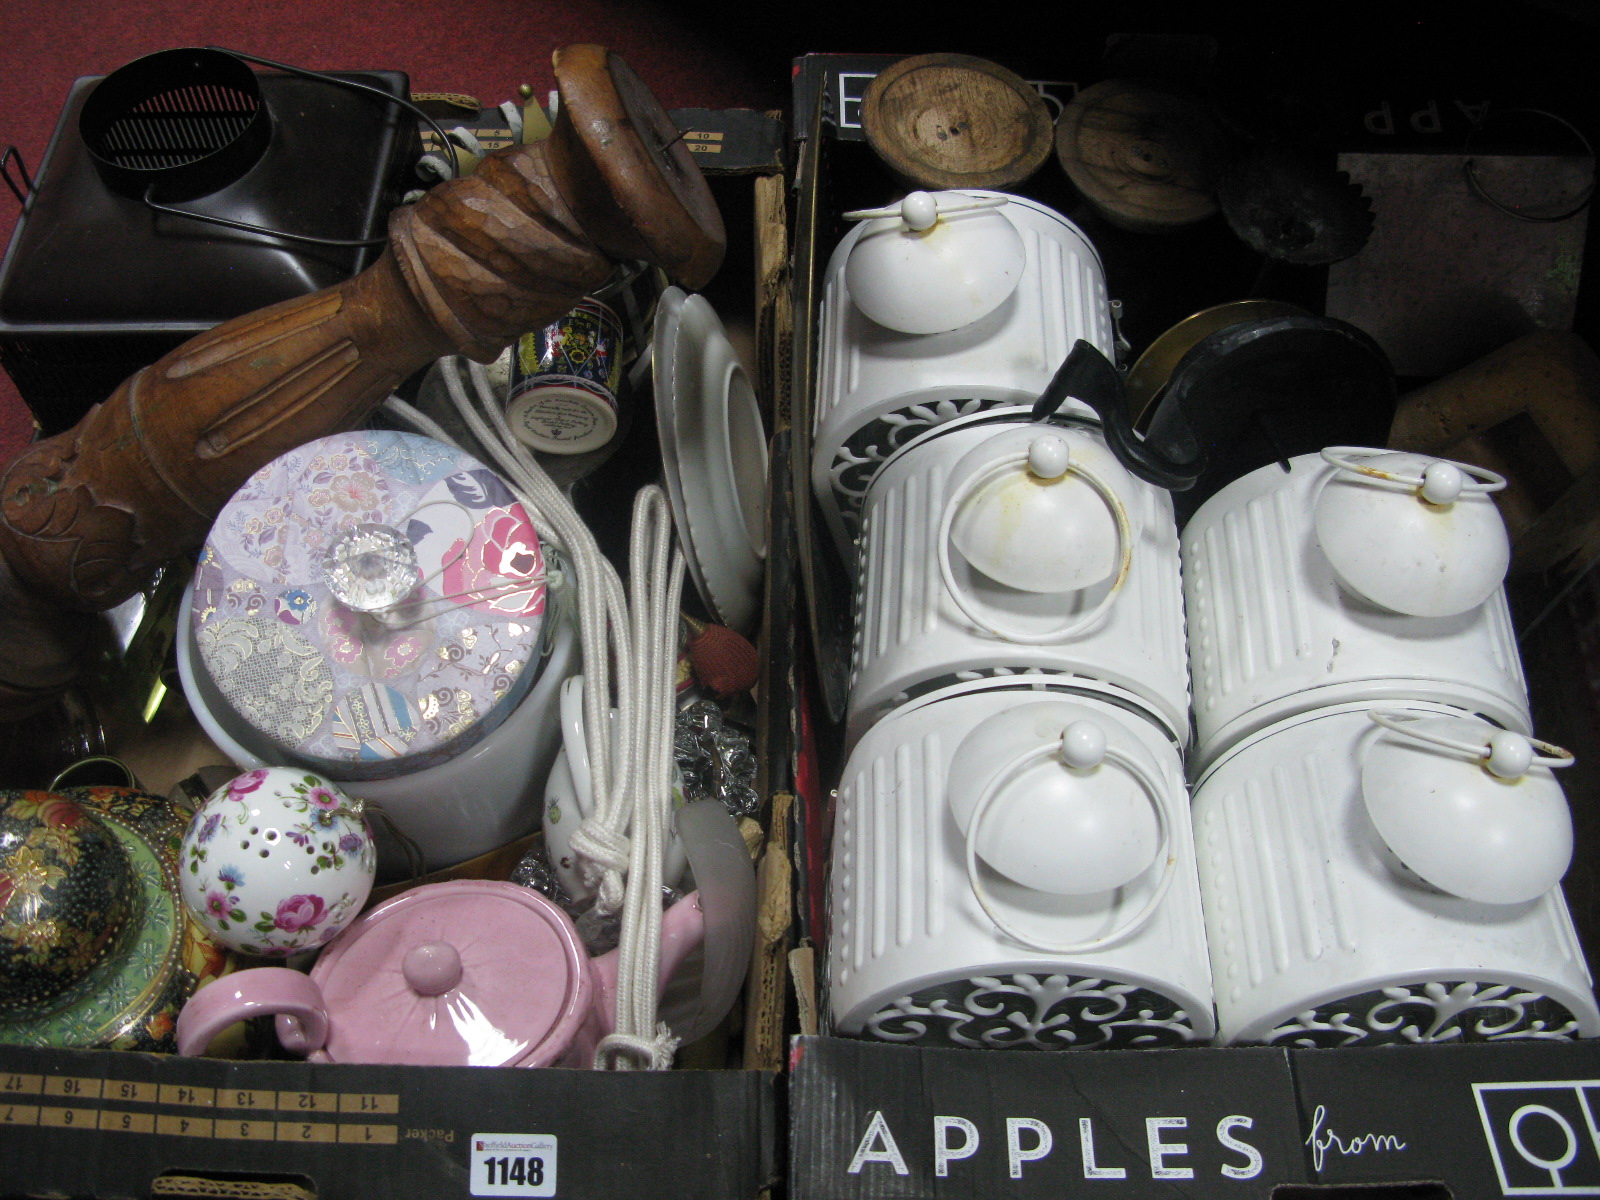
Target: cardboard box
<point>869,1120</point>
<point>1464,1121</point>
<point>109,1124</point>
<point>105,1124</point>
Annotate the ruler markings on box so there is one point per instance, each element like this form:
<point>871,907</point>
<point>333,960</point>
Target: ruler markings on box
<point>263,1099</point>
<point>69,1118</point>
<point>309,1102</point>
<point>114,1120</point>
<point>133,1092</point>
<point>127,1091</point>
<point>307,1131</point>
<point>109,1120</point>
<point>191,1097</point>
<point>376,1103</point>
<point>175,1126</point>
<point>351,1133</point>
<point>248,1131</point>
<point>75,1086</point>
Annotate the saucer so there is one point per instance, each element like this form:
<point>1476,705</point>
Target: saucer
<point>714,458</point>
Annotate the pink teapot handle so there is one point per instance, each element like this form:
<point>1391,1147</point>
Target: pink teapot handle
<point>302,1024</point>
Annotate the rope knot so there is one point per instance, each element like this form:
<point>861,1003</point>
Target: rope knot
<point>642,1053</point>
<point>602,846</point>
<point>605,856</point>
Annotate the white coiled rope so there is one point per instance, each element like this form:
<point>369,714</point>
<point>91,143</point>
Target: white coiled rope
<point>626,834</point>
<point>656,572</point>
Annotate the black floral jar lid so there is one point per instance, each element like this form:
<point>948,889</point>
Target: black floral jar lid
<point>68,896</point>
<point>95,949</point>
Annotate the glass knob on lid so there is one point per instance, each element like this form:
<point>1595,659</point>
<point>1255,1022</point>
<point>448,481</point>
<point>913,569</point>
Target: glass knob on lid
<point>1051,804</point>
<point>1412,534</point>
<point>371,568</point>
<point>934,262</point>
<point>1471,809</point>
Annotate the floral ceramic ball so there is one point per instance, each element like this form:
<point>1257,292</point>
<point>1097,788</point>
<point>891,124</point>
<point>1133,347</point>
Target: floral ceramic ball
<point>277,861</point>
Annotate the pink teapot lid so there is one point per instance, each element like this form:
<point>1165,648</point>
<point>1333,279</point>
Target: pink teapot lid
<point>470,972</point>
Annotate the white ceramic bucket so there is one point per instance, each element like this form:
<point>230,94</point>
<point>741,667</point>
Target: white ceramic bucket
<point>920,623</point>
<point>878,388</point>
<point>484,797</point>
<point>1274,632</point>
<point>1320,936</point>
<point>916,953</point>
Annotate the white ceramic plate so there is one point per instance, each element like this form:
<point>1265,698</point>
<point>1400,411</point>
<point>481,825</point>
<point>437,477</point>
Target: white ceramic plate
<point>714,458</point>
<point>663,353</point>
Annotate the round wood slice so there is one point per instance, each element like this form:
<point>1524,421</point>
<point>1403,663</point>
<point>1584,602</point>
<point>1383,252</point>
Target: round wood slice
<point>953,121</point>
<point>1142,157</point>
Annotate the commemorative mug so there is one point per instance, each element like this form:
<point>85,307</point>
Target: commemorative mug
<point>564,377</point>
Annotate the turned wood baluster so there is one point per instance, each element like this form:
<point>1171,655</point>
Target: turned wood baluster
<point>87,516</point>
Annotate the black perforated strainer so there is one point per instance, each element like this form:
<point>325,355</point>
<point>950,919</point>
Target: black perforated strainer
<point>176,125</point>
<point>183,124</point>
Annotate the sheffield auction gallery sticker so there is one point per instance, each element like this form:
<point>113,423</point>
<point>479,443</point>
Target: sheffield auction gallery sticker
<point>513,1164</point>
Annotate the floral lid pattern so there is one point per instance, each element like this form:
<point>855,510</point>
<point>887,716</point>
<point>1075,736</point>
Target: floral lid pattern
<point>131,1000</point>
<point>359,695</point>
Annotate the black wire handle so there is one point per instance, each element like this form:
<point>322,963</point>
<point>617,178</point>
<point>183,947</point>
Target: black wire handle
<point>229,223</point>
<point>1088,375</point>
<point>354,86</point>
<point>324,77</point>
<point>7,156</point>
<point>1475,185</point>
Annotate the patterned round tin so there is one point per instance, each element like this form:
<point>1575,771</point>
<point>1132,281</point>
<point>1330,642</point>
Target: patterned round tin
<point>370,694</point>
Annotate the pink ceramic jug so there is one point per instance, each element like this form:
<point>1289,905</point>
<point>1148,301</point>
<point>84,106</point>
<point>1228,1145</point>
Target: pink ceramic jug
<point>465,973</point>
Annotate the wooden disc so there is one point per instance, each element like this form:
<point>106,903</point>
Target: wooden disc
<point>1143,158</point>
<point>953,121</point>
<point>660,207</point>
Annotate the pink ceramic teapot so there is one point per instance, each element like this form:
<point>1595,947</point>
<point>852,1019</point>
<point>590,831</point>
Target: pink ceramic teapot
<point>464,973</point>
